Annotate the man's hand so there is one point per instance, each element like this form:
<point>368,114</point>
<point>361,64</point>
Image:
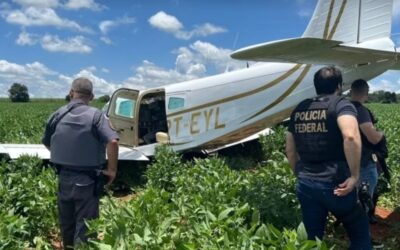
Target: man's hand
<point>346,187</point>
<point>111,176</point>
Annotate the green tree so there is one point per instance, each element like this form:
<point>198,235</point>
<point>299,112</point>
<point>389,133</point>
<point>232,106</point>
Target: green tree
<point>104,98</point>
<point>18,93</point>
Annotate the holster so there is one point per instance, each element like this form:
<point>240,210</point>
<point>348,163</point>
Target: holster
<point>100,180</point>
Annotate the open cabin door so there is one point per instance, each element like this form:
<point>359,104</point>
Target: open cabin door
<point>123,117</point>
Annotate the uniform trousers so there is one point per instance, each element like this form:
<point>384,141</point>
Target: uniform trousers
<point>317,199</point>
<point>369,173</point>
<point>77,202</point>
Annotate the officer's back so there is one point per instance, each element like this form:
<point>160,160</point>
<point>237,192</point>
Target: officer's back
<point>323,148</point>
<point>77,136</point>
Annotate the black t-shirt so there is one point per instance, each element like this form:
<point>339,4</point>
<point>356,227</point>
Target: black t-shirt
<point>364,116</point>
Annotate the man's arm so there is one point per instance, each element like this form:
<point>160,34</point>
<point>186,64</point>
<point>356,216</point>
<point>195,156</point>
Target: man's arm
<point>291,151</point>
<point>352,149</point>
<point>373,135</point>
<point>48,132</point>
<point>112,165</point>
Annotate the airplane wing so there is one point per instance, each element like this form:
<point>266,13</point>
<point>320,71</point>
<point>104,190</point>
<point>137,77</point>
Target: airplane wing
<point>313,51</point>
<point>13,151</point>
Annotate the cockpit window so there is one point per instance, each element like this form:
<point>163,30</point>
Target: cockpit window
<point>176,103</point>
<point>124,107</point>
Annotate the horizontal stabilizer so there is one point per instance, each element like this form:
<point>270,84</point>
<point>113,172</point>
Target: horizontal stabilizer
<point>312,51</point>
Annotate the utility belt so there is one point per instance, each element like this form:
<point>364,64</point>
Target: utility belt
<point>94,172</point>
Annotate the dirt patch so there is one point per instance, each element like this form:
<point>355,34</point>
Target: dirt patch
<point>388,226</point>
<point>127,197</point>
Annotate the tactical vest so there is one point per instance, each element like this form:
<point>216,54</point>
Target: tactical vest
<point>74,142</point>
<point>316,132</point>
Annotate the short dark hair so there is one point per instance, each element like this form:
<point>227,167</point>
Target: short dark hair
<point>359,86</point>
<point>327,80</point>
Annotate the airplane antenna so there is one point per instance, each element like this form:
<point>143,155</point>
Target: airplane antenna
<point>233,48</point>
<point>235,41</point>
<point>394,35</point>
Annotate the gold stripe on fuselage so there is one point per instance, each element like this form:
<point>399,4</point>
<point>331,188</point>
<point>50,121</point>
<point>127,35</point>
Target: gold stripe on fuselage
<point>235,97</point>
<point>330,35</point>
<point>284,95</point>
<point>327,35</point>
<point>328,19</point>
<point>338,18</point>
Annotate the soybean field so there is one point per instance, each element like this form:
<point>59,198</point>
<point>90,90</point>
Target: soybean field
<point>240,200</point>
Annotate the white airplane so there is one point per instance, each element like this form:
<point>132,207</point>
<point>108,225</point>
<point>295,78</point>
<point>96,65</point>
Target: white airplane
<point>225,109</point>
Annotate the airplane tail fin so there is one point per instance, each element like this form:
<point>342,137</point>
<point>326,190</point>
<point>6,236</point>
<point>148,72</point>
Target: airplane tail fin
<point>340,32</point>
<point>336,19</point>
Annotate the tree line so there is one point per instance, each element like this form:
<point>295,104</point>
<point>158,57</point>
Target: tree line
<point>19,93</point>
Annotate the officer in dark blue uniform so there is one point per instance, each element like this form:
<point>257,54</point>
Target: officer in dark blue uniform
<point>323,147</point>
<point>78,137</point>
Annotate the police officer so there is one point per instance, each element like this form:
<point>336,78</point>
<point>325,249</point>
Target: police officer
<point>78,137</point>
<point>369,134</point>
<point>323,147</point>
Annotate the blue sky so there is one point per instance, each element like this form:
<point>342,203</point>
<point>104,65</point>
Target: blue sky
<point>138,43</point>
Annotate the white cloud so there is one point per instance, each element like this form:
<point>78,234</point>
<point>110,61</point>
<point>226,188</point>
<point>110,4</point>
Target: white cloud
<point>304,13</point>
<point>35,69</point>
<point>100,85</point>
<point>83,4</point>
<point>200,31</point>
<point>39,68</point>
<point>305,8</point>
<point>36,76</point>
<point>389,81</point>
<point>54,43</point>
<point>72,45</point>
<point>33,16</point>
<point>44,82</point>
<point>195,61</point>
<point>25,38</point>
<point>106,25</point>
<point>106,40</point>
<point>4,6</point>
<point>91,68</point>
<point>37,3</point>
<point>165,22</point>
<point>386,85</point>
<point>172,25</point>
<point>217,57</point>
<point>150,75</point>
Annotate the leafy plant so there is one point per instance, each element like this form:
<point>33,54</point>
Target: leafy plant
<point>27,191</point>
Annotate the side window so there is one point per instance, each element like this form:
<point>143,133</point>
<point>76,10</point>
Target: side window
<point>176,103</point>
<point>124,107</point>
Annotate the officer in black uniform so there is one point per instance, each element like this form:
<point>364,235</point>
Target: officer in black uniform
<point>78,137</point>
<point>323,147</point>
